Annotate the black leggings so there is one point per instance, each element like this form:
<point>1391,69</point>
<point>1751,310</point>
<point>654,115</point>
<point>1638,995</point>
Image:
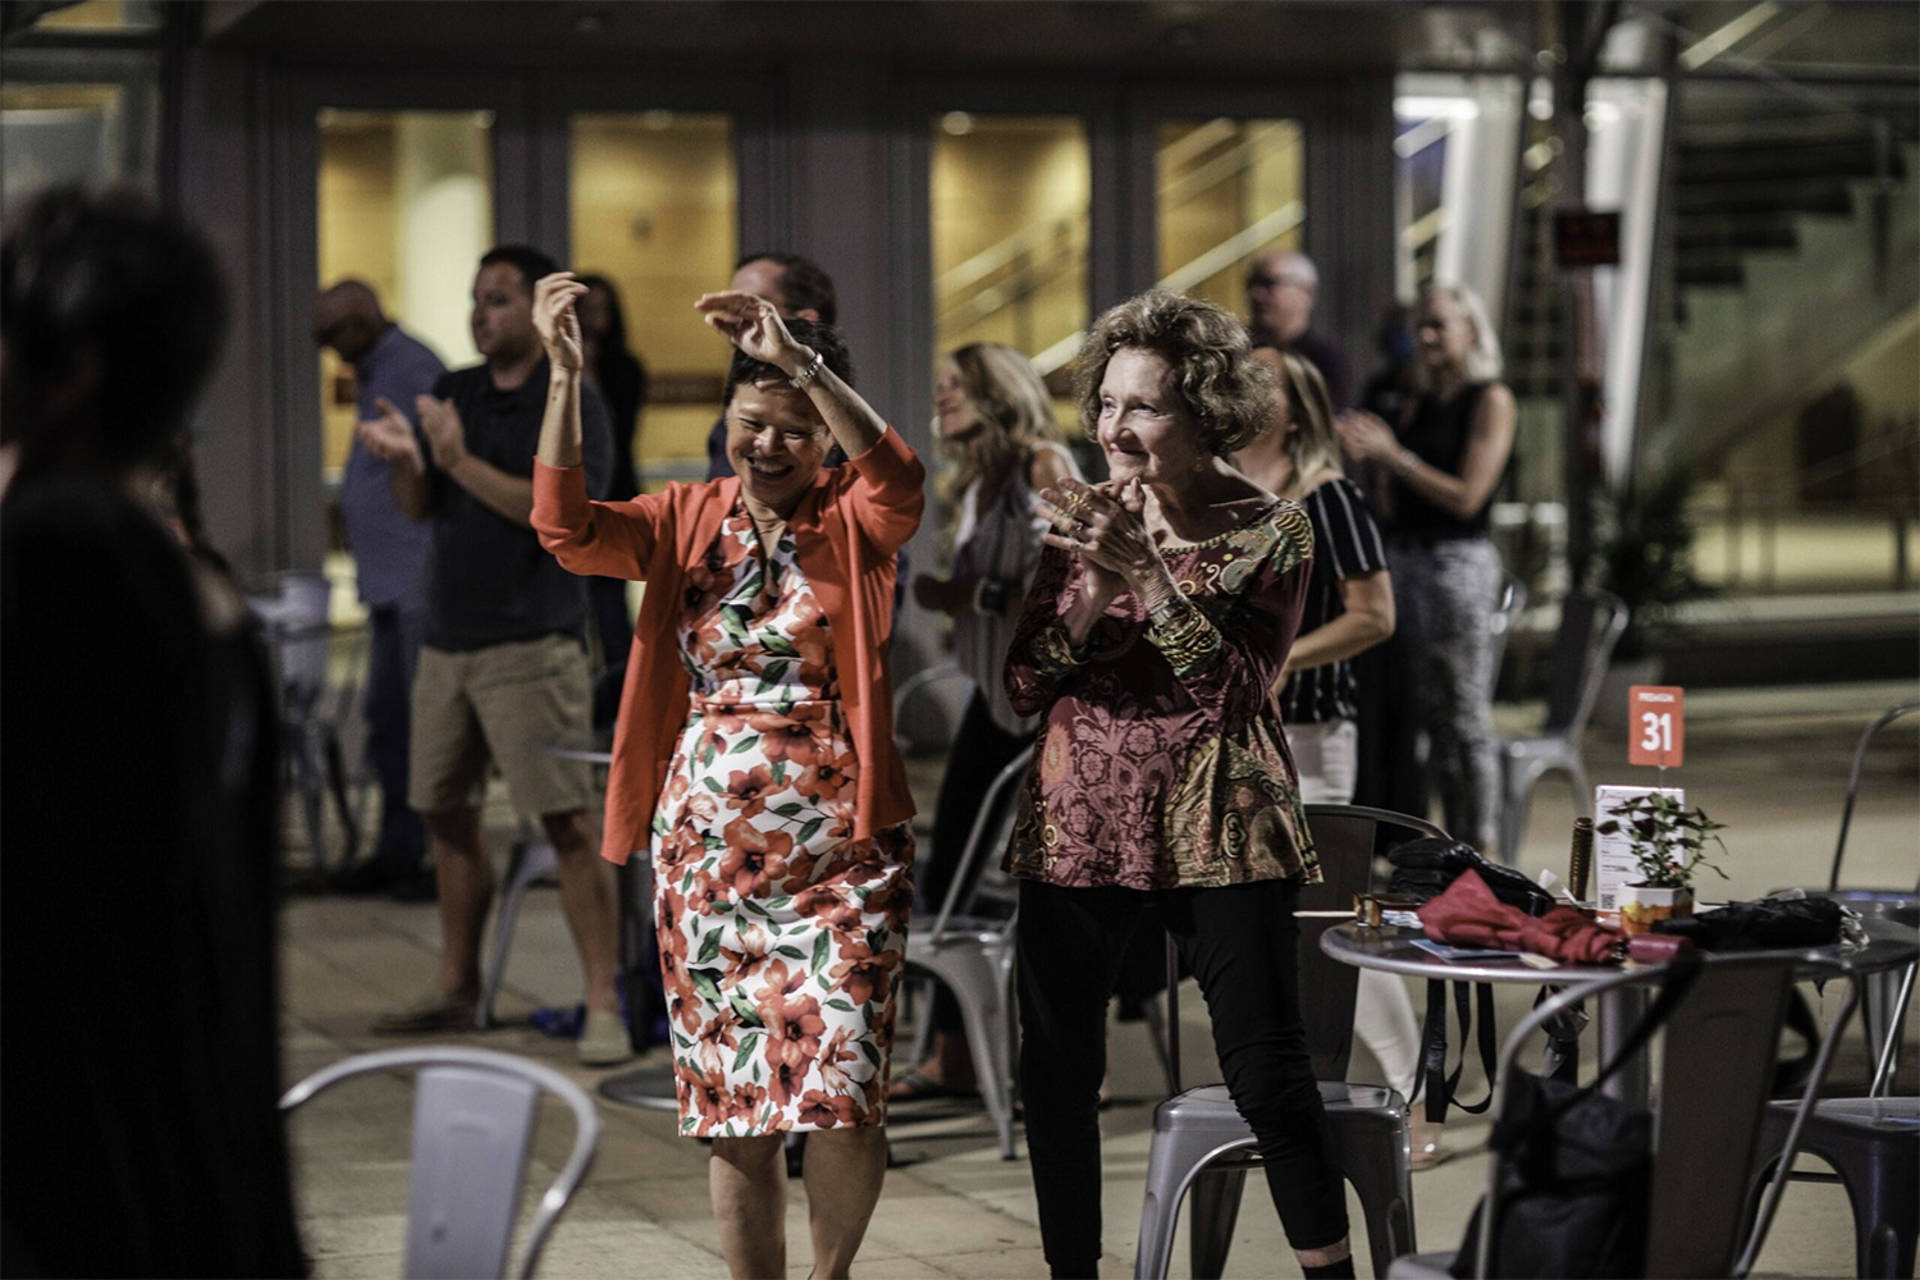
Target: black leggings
<point>1242,945</point>
<point>981,749</point>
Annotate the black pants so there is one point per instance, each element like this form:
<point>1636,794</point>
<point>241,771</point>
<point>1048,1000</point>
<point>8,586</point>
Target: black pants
<point>1242,945</point>
<point>981,749</point>
<point>393,655</point>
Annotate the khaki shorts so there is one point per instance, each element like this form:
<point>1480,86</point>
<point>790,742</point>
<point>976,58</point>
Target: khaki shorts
<point>497,703</point>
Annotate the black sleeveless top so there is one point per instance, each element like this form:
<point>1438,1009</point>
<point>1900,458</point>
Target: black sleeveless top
<point>1437,435</point>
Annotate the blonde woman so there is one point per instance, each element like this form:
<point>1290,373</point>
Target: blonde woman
<point>995,421</point>
<point>1349,609</point>
<point>1444,462</point>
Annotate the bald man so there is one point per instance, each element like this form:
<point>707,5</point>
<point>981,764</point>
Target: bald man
<point>1281,288</point>
<point>390,369</point>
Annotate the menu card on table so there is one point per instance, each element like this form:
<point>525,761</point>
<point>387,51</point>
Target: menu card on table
<point>1613,864</point>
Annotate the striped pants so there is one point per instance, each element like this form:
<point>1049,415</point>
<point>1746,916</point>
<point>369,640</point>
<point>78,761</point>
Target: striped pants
<point>1444,593</point>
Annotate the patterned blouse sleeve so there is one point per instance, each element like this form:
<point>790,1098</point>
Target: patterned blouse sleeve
<point>1042,657</point>
<point>1229,652</point>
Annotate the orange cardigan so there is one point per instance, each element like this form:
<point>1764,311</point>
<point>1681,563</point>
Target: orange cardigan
<point>847,528</point>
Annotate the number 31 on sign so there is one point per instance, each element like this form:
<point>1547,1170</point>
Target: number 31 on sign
<point>1657,725</point>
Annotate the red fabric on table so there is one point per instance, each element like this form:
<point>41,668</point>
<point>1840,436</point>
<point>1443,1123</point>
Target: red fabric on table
<point>1467,914</point>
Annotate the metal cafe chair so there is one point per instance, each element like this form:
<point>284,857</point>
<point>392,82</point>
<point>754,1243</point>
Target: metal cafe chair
<point>1717,1060</point>
<point>972,955</point>
<point>295,623</point>
<point>473,1121</point>
<point>1590,625</point>
<point>1872,1143</point>
<point>1203,1150</point>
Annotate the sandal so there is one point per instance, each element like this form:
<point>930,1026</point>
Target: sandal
<point>1429,1151</point>
<point>915,1087</point>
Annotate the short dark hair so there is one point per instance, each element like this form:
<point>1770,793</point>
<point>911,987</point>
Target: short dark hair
<point>529,261</point>
<point>823,338</point>
<point>106,279</point>
<point>804,286</point>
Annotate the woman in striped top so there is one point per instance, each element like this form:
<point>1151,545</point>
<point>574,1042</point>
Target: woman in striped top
<point>1349,608</point>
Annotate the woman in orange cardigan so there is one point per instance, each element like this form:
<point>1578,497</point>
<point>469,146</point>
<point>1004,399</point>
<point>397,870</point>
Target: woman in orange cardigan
<point>774,806</point>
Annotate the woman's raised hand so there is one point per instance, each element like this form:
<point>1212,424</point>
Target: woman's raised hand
<point>1108,531</point>
<point>753,324</point>
<point>556,321</point>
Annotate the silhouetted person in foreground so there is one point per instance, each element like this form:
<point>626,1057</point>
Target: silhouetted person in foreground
<point>139,1062</point>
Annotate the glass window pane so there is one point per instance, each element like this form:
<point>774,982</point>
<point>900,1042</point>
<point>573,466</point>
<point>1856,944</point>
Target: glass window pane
<point>103,15</point>
<point>1010,197</point>
<point>1228,191</point>
<point>654,199</point>
<point>74,117</point>
<point>406,205</point>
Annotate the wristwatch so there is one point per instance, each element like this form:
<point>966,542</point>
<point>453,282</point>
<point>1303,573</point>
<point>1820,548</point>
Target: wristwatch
<point>990,595</point>
<point>803,376</point>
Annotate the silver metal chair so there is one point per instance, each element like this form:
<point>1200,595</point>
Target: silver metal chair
<point>1511,604</point>
<point>472,1128</point>
<point>1590,626</point>
<point>973,955</point>
<point>918,683</point>
<point>1720,1044</point>
<point>300,638</point>
<point>1872,1143</point>
<point>1886,992</point>
<point>532,862</point>
<point>1203,1150</point>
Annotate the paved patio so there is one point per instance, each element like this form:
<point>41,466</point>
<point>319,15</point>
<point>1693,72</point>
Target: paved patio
<point>1770,763</point>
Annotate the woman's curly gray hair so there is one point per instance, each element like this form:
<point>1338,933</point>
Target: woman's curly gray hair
<point>1228,393</point>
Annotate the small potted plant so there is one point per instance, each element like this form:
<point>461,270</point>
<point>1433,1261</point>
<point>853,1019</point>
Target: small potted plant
<point>1669,844</point>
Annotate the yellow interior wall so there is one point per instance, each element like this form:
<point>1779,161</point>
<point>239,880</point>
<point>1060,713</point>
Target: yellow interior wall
<point>357,237</point>
<point>654,202</point>
<point>1195,219</point>
<point>1008,174</point>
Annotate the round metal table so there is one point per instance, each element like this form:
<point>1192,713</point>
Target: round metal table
<point>1890,949</point>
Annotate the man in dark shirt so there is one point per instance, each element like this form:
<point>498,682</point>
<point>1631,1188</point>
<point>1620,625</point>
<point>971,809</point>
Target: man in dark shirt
<point>504,666</point>
<point>1281,288</point>
<point>796,286</point>
<point>391,368</point>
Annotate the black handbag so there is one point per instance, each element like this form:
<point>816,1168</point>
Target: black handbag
<point>1576,1172</point>
<point>1423,869</point>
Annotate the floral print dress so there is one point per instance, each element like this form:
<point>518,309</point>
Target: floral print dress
<point>781,937</point>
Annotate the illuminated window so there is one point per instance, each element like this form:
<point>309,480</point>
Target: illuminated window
<point>654,202</point>
<point>1228,190</point>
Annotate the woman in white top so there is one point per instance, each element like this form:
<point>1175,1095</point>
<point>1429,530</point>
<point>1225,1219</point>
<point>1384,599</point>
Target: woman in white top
<point>995,421</point>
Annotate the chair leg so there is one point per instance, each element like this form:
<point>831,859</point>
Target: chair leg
<point>1885,1195</point>
<point>924,993</point>
<point>1513,814</point>
<point>1215,1206</point>
<point>307,779</point>
<point>1160,1209</point>
<point>530,861</point>
<point>985,1020</point>
<point>1374,1157</point>
<point>337,785</point>
<point>1882,1015</point>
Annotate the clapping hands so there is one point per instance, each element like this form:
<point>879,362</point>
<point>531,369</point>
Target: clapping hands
<point>390,437</point>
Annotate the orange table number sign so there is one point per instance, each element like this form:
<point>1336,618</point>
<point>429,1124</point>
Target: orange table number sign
<point>1656,725</point>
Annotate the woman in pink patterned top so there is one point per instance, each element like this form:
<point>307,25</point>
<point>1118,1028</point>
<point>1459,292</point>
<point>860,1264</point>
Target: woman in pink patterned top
<point>1157,625</point>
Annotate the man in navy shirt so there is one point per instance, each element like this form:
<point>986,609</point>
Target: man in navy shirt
<point>391,368</point>
<point>503,669</point>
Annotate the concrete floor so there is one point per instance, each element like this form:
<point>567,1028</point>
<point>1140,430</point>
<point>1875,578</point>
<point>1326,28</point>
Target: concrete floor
<point>1772,764</point>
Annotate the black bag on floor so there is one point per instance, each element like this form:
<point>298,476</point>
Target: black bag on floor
<point>1577,1169</point>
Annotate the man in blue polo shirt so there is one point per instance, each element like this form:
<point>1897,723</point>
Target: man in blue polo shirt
<point>391,367</point>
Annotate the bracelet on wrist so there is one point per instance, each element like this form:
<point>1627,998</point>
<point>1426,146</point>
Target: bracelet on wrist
<point>803,377</point>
